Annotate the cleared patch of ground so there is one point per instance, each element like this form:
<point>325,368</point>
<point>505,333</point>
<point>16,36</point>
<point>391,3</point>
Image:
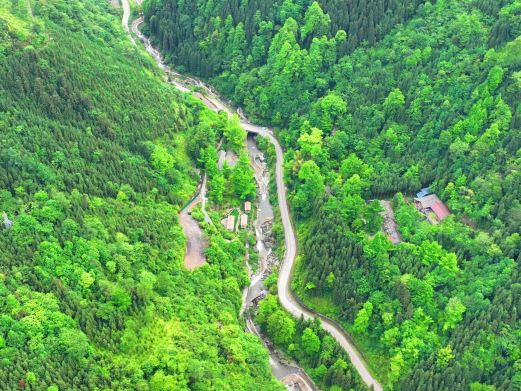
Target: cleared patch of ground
<point>390,227</point>
<point>196,241</point>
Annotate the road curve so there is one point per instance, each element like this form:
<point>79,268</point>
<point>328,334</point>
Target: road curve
<point>286,297</point>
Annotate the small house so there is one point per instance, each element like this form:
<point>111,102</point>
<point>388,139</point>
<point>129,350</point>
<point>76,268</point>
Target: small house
<point>230,222</point>
<point>247,206</point>
<point>432,207</point>
<point>244,221</point>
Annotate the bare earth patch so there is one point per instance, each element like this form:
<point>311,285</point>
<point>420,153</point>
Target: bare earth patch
<point>196,242</point>
<point>390,226</point>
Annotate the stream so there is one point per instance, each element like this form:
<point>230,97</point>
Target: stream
<point>290,374</point>
<point>283,370</point>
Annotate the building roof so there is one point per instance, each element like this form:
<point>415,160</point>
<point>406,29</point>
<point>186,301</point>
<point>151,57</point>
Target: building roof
<point>433,202</point>
<point>427,201</point>
<point>244,220</point>
<point>423,192</point>
<point>247,206</point>
<point>440,210</point>
<point>230,222</point>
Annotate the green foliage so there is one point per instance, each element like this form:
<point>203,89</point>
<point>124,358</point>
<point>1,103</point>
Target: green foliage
<point>310,342</point>
<point>394,101</point>
<point>362,318</point>
<point>307,343</point>
<point>311,190</point>
<point>445,355</point>
<point>419,302</point>
<point>316,22</point>
<point>95,164</point>
<point>224,38</point>
<point>481,387</point>
<point>432,102</point>
<point>161,159</point>
<point>235,135</point>
<point>453,313</point>
<point>328,111</point>
<point>281,326</point>
<point>243,183</point>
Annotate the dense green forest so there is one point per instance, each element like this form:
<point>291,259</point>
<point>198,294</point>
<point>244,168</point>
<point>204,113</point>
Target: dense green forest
<point>227,37</point>
<point>307,343</point>
<point>374,100</point>
<point>96,159</point>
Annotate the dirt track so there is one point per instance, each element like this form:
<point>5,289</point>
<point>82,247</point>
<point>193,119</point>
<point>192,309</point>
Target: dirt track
<point>195,239</point>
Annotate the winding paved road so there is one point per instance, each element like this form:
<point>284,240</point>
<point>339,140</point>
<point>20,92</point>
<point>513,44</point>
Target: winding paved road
<point>286,297</point>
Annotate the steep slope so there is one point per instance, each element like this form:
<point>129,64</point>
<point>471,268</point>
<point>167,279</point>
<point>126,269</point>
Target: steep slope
<point>436,102</point>
<point>94,167</point>
<point>229,37</point>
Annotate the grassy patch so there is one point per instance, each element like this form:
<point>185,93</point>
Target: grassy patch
<point>14,24</point>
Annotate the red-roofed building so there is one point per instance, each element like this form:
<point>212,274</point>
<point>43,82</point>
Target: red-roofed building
<point>432,207</point>
<point>440,210</point>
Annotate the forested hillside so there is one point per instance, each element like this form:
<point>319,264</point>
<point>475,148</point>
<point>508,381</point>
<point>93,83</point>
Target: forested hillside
<point>94,167</point>
<point>228,37</point>
<point>427,94</point>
